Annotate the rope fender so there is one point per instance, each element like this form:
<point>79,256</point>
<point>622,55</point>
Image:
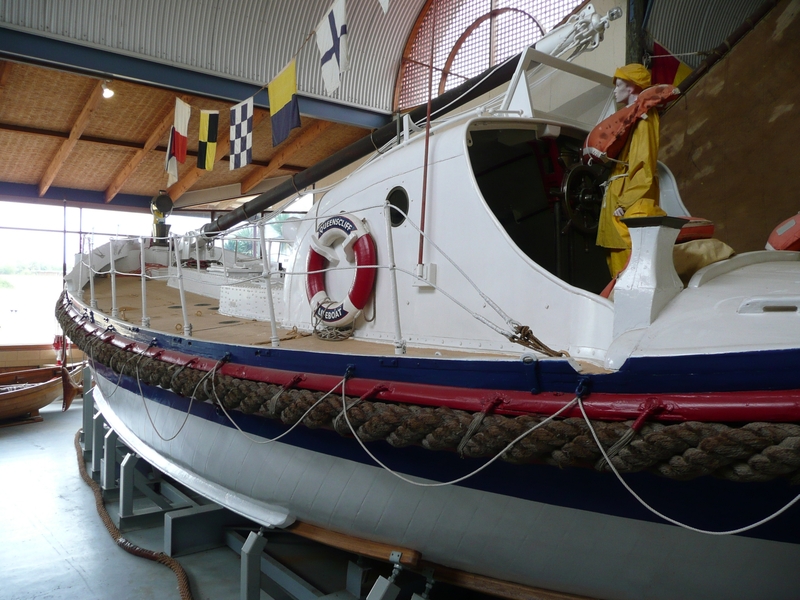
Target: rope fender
<point>755,451</point>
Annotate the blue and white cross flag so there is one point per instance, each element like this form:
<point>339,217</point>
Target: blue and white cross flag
<point>332,43</point>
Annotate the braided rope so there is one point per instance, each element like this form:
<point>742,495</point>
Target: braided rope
<point>751,452</point>
<point>184,588</point>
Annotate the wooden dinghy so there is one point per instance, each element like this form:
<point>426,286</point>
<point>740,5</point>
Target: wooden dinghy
<point>23,393</point>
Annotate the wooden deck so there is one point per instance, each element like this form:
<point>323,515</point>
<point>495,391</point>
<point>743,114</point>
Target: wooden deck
<point>164,310</point>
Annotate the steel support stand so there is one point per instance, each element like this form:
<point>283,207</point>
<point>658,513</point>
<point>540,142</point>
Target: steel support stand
<point>199,528</point>
<point>126,481</point>
<point>108,464</point>
<point>158,504</point>
<point>250,578</point>
<point>386,589</point>
<point>88,413</point>
<point>98,433</point>
<point>356,577</point>
<point>261,571</point>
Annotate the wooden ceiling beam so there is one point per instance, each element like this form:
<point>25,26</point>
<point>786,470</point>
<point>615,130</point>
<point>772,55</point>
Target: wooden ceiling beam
<point>68,144</point>
<point>5,73</point>
<point>306,136</point>
<point>122,144</point>
<point>184,184</point>
<point>158,132</point>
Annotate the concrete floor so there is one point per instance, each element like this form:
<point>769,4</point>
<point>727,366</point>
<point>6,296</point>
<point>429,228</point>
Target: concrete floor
<point>52,541</point>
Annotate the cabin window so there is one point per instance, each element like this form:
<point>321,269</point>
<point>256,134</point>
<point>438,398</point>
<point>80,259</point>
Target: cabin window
<point>398,198</point>
<point>521,177</point>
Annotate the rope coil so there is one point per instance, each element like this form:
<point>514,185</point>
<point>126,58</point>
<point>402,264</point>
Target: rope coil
<point>184,588</point>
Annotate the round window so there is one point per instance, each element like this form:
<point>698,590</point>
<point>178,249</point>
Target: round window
<point>398,198</point>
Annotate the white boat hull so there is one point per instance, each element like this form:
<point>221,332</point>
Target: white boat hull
<point>505,537</point>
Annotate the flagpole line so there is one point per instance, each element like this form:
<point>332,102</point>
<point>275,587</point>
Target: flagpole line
<point>240,146</point>
<point>305,41</point>
<point>266,85</point>
<point>697,53</point>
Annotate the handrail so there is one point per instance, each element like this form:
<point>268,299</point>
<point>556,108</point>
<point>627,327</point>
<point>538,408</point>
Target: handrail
<point>177,242</point>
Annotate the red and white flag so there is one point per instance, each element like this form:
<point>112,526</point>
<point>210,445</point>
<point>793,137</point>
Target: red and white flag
<point>176,147</point>
<point>667,68</point>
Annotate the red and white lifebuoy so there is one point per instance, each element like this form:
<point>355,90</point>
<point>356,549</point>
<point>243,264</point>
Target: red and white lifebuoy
<point>359,248</point>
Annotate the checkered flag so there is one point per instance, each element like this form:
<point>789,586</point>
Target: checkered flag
<point>241,134</point>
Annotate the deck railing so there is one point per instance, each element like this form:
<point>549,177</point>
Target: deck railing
<point>263,263</point>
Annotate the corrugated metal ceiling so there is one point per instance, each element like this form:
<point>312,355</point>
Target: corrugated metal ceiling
<point>248,40</point>
<point>688,26</point>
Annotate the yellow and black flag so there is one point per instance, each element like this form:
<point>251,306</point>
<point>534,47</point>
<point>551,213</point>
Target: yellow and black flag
<point>207,149</point>
<point>283,105</point>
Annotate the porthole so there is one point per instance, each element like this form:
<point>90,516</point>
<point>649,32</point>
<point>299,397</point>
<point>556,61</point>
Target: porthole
<point>398,199</point>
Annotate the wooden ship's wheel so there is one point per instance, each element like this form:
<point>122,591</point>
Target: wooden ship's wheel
<point>582,193</point>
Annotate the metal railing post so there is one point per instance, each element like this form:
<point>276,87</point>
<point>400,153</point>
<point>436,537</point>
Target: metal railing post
<point>114,307</point>
<point>79,290</point>
<point>266,271</point>
<point>145,318</point>
<point>197,251</point>
<point>399,342</point>
<point>187,327</point>
<point>224,264</point>
<point>93,300</point>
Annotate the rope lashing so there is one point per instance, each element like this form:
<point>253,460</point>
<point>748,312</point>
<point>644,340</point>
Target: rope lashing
<point>477,420</point>
<point>273,402</point>
<point>651,407</point>
<point>269,441</point>
<point>191,399</point>
<point>369,395</point>
<point>624,483</point>
<point>179,370</point>
<point>524,336</point>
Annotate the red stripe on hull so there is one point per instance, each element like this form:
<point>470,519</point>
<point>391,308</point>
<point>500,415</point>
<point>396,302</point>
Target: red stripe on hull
<point>729,407</point>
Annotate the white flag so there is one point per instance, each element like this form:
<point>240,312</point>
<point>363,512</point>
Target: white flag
<point>332,43</point>
<point>176,146</point>
<point>384,5</point>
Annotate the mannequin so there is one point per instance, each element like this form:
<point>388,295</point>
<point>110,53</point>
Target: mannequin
<point>633,183</point>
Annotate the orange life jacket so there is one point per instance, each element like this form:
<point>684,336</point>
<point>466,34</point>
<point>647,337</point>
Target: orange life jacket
<point>608,137</point>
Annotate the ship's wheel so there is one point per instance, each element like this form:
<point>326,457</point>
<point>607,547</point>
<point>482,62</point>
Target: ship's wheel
<point>583,195</point>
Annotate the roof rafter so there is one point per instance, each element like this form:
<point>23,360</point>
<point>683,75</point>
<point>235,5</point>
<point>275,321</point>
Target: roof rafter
<point>152,140</point>
<point>5,73</point>
<point>74,134</point>
<point>63,135</point>
<point>180,187</point>
<point>306,136</point>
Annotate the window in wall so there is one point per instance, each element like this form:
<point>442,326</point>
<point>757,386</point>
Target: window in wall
<point>470,36</point>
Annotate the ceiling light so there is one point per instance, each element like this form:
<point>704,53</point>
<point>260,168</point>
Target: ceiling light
<point>107,91</point>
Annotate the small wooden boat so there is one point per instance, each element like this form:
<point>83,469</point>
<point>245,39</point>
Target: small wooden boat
<point>23,393</point>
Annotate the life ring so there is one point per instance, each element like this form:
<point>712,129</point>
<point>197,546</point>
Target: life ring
<point>359,248</point>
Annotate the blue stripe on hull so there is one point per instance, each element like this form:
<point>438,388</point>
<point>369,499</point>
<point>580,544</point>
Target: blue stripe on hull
<point>705,502</point>
<point>742,371</point>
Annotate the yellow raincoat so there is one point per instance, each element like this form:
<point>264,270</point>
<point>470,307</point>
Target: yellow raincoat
<point>634,187</point>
